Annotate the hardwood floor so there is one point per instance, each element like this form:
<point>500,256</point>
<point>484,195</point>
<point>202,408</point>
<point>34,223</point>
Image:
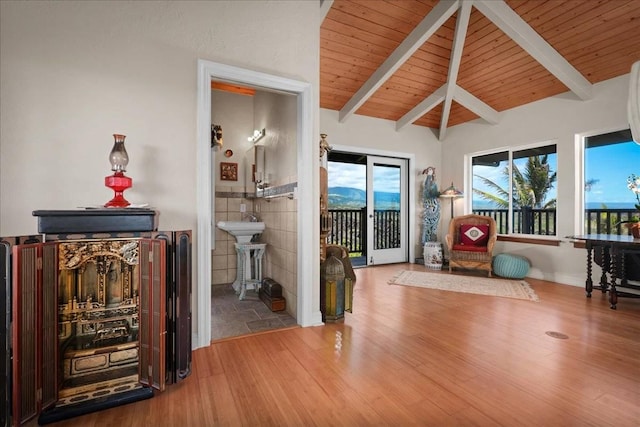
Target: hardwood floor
<point>413,356</point>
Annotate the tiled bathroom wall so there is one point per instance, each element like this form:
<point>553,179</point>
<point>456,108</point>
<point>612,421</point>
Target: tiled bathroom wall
<point>227,204</point>
<point>279,213</point>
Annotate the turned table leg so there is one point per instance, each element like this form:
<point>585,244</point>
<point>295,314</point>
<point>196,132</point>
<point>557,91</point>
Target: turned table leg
<point>604,283</point>
<point>589,283</point>
<point>613,295</point>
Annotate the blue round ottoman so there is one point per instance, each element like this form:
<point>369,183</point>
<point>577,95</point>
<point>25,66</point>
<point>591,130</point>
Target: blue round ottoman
<point>511,266</point>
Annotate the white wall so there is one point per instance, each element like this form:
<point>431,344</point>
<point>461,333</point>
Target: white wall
<point>74,73</point>
<point>371,133</point>
<point>555,119</point>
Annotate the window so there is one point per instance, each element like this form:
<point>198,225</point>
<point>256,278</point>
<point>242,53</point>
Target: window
<point>517,187</point>
<point>609,159</point>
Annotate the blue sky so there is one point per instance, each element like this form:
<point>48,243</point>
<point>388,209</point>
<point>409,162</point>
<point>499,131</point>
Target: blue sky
<point>347,175</point>
<point>386,179</point>
<point>611,165</point>
<point>496,174</point>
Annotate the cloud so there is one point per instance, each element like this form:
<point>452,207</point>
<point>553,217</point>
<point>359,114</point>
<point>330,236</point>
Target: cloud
<point>347,175</point>
<point>385,178</point>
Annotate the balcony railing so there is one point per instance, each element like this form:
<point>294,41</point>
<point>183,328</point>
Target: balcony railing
<point>525,221</point>
<point>607,221</point>
<point>349,228</point>
<point>543,221</point>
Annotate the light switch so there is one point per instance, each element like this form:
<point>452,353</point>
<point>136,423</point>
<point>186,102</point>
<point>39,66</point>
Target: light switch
<point>243,207</point>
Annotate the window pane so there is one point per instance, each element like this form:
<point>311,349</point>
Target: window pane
<point>531,197</point>
<point>534,176</point>
<point>386,206</point>
<point>491,188</point>
<point>609,159</point>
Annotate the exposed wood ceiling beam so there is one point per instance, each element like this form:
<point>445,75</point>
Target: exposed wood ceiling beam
<point>473,104</point>
<point>462,23</point>
<point>515,27</point>
<point>325,5</point>
<point>425,29</point>
<point>422,108</point>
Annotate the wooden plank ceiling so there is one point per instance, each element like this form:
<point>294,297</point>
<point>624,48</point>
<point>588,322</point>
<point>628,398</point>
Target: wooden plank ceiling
<point>442,63</point>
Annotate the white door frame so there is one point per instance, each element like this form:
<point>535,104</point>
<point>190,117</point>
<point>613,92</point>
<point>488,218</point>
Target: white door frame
<point>308,256</point>
<point>411,186</point>
<point>391,255</point>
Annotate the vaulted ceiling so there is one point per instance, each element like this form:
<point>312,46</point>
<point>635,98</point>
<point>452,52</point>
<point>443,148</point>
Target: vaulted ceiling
<point>442,63</point>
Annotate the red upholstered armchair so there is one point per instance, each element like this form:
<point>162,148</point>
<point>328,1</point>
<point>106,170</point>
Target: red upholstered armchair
<point>470,241</point>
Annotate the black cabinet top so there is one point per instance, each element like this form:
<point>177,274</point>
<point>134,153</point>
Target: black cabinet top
<point>97,220</point>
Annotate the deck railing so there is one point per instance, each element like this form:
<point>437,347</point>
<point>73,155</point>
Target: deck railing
<point>525,221</point>
<point>349,227</point>
<point>543,221</point>
<point>607,221</point>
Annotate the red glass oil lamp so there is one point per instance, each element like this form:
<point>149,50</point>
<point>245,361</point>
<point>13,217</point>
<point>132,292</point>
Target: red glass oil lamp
<point>118,182</point>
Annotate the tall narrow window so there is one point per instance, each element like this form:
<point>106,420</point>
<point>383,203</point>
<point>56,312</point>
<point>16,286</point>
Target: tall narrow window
<point>609,160</point>
<point>517,187</point>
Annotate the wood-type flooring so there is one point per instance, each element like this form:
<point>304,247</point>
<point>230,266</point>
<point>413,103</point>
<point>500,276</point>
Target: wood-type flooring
<point>413,356</point>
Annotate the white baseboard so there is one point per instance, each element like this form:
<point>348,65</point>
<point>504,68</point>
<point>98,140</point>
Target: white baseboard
<point>564,279</point>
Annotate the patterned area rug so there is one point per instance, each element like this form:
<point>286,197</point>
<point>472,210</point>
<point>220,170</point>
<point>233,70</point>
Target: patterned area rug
<point>518,289</point>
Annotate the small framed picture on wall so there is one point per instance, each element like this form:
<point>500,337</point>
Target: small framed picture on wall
<point>228,171</point>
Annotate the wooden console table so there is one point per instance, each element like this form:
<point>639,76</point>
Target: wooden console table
<point>622,254</point>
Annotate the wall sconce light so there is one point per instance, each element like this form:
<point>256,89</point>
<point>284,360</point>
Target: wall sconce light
<point>257,136</point>
<point>118,182</point>
<point>451,193</point>
<point>216,137</point>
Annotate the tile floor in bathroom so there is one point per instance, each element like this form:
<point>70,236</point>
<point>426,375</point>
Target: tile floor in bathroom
<point>231,317</point>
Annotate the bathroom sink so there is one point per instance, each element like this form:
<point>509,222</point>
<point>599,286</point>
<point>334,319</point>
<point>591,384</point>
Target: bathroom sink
<point>243,231</point>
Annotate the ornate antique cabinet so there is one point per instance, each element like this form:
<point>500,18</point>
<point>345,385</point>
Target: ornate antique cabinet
<point>97,313</point>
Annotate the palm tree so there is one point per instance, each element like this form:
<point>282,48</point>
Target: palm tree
<point>530,187</point>
<point>588,185</point>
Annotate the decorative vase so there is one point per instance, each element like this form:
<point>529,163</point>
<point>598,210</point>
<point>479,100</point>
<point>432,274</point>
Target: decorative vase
<point>432,252</point>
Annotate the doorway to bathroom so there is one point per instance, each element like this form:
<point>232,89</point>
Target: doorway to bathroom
<point>368,204</point>
<point>255,137</point>
<point>306,241</point>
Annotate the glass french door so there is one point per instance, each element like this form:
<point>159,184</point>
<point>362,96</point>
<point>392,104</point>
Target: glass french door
<point>386,210</point>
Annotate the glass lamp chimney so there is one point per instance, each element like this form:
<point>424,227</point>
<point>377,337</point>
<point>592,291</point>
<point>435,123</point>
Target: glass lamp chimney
<point>118,157</point>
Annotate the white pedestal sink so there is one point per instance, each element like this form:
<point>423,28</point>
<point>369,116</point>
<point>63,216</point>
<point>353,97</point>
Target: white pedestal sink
<point>249,255</point>
<point>243,231</point>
